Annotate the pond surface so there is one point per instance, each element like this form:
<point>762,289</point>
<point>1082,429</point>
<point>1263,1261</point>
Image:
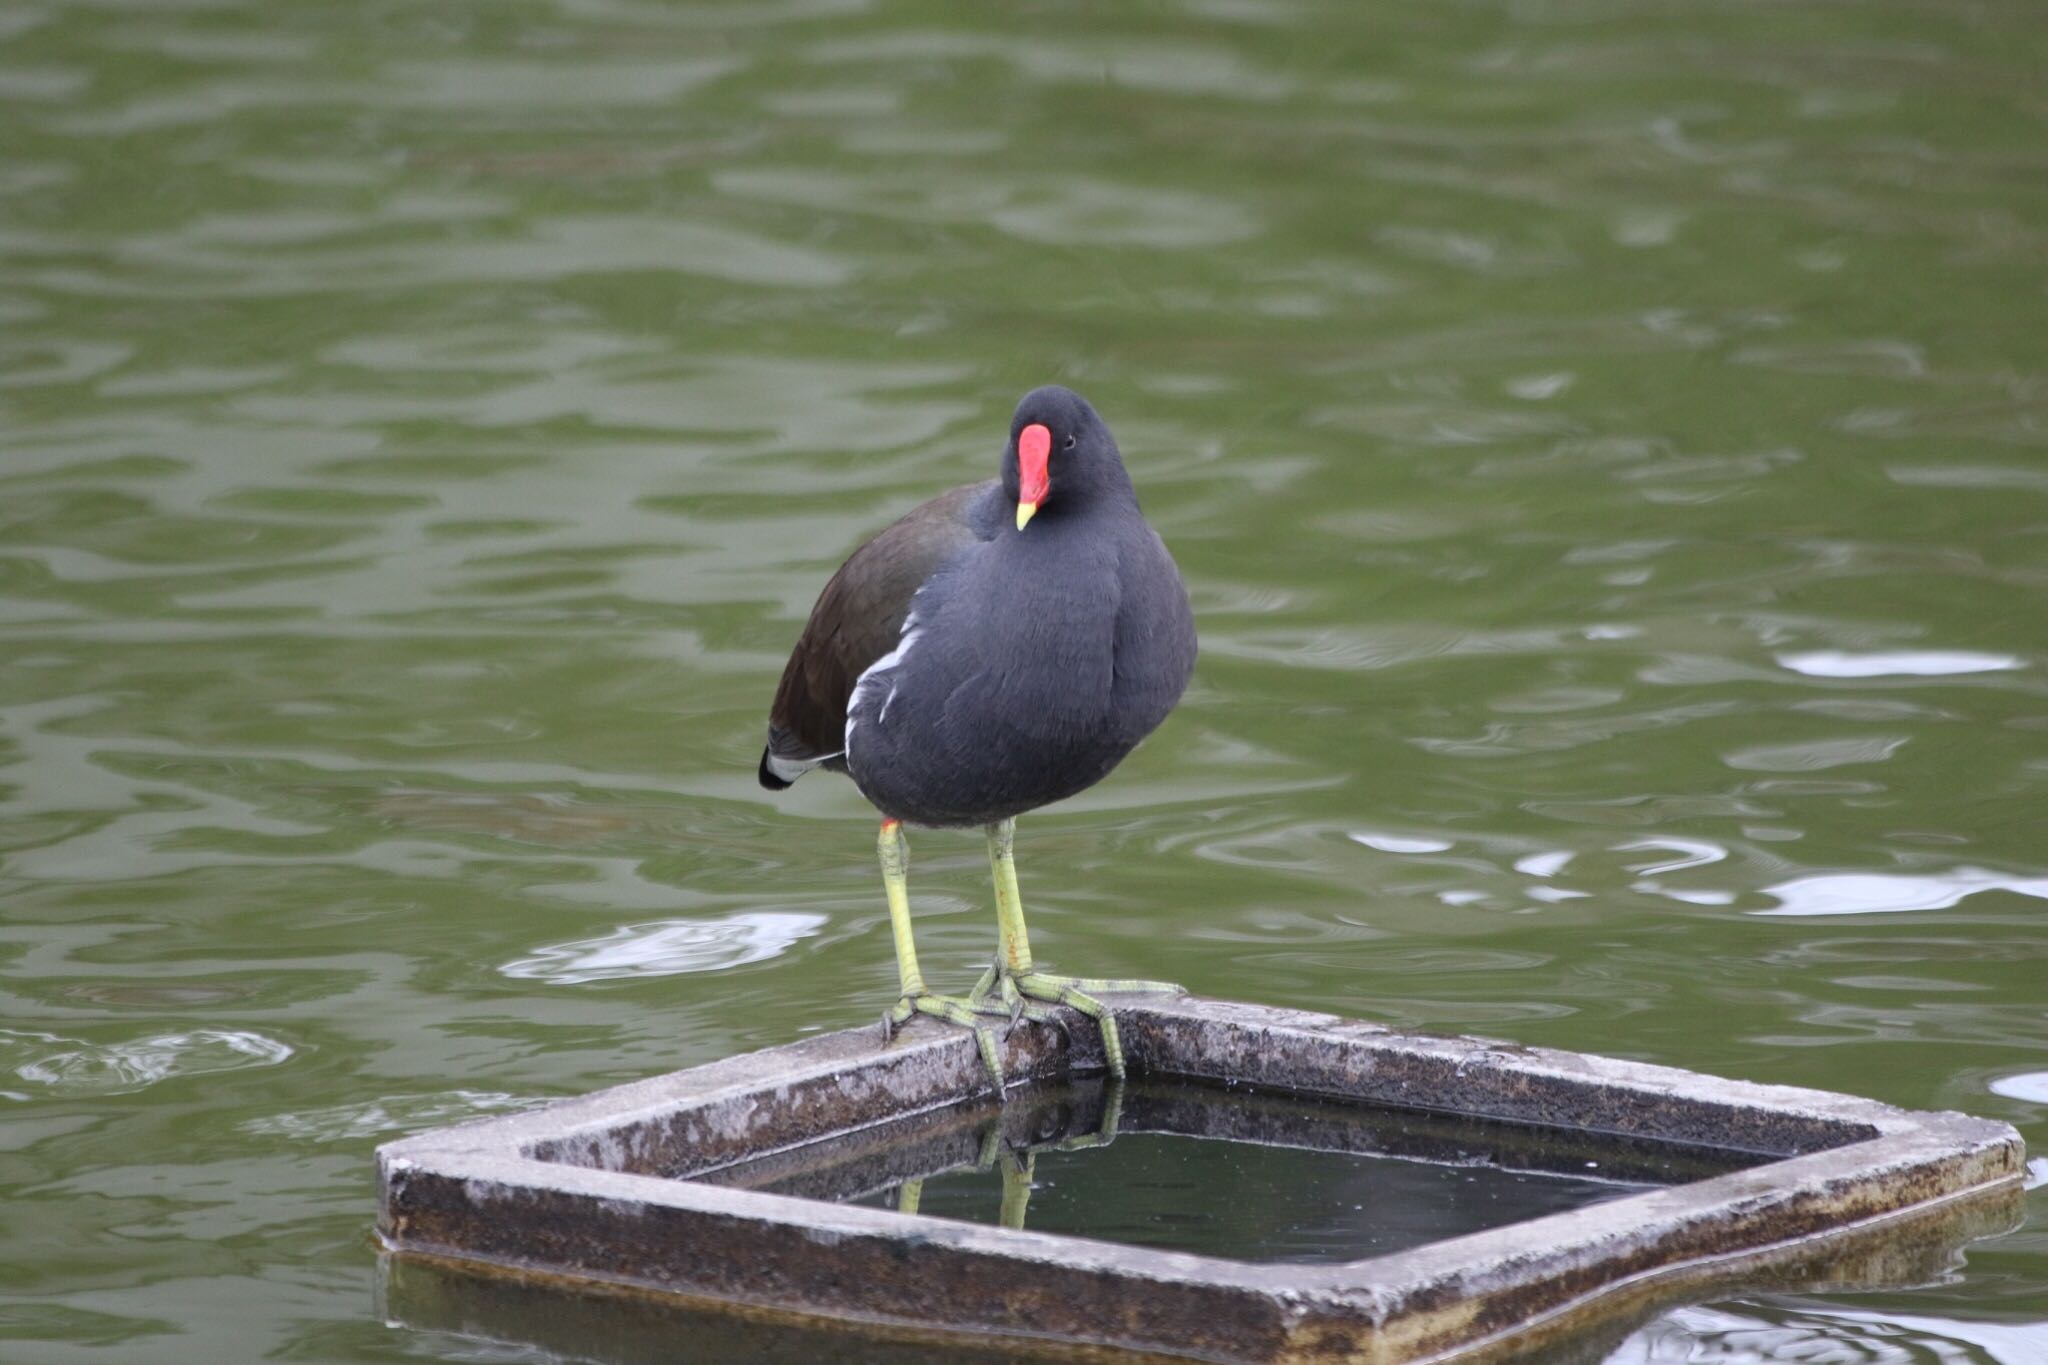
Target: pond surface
<point>1607,446</point>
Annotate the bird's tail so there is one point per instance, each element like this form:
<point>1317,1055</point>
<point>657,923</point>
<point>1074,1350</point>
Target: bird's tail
<point>771,779</point>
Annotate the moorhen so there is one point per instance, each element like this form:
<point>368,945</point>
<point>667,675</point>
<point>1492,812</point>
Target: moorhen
<point>1001,647</point>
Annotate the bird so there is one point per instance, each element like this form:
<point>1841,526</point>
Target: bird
<point>999,648</point>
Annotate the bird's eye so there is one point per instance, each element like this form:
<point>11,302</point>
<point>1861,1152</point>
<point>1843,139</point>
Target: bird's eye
<point>1069,445</point>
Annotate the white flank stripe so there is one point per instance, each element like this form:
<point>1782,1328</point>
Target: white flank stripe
<point>874,670</point>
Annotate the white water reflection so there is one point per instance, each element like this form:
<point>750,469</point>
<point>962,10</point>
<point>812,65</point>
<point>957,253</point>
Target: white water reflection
<point>72,1066</point>
<point>1552,873</point>
<point>1923,663</point>
<point>669,947</point>
<point>1689,897</point>
<point>1876,893</point>
<point>2031,1086</point>
<point>1814,755</point>
<point>1400,843</point>
<point>1693,853</point>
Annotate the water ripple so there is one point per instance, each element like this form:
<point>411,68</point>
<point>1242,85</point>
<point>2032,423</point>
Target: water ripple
<point>1743,1335</point>
<point>1401,843</point>
<point>387,1114</point>
<point>668,947</point>
<point>1814,755</point>
<point>1071,210</point>
<point>1910,663</point>
<point>2031,1086</point>
<point>71,1066</point>
<point>1879,893</point>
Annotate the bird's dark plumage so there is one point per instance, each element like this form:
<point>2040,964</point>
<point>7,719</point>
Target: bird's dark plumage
<point>963,669</point>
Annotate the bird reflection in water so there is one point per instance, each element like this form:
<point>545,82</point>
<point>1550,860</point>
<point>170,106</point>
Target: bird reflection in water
<point>1018,1161</point>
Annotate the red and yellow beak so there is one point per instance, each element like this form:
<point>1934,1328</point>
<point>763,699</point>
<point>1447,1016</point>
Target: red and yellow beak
<point>1034,448</point>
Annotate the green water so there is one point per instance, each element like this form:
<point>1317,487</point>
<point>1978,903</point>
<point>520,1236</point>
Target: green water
<point>1607,446</point>
<point>1283,1204</point>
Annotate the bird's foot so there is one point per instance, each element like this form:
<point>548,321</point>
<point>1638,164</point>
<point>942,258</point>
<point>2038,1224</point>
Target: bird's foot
<point>1036,990</point>
<point>996,994</point>
<point>953,1010</point>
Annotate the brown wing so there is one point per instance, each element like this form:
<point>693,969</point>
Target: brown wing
<point>859,618</point>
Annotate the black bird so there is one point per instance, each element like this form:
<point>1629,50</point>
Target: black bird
<point>1001,647</point>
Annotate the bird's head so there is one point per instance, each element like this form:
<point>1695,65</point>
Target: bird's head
<point>1059,450</point>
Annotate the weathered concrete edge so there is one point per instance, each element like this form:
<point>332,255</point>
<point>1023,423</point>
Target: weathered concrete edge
<point>565,1313</point>
<point>1476,1067</point>
<point>1417,1304</point>
<point>1329,1054</point>
<point>487,1178</point>
<point>444,1192</point>
<point>848,1261</point>
<point>1449,1295</point>
<point>1963,1215</point>
<point>815,1087</point>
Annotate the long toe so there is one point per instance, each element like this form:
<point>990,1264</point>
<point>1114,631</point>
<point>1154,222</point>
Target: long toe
<point>953,1010</point>
<point>1068,991</point>
<point>1114,985</point>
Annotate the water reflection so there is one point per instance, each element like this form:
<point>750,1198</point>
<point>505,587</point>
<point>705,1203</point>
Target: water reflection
<point>2030,1085</point>
<point>1818,1332</point>
<point>668,948</point>
<point>73,1066</point>
<point>1877,893</point>
<point>1402,843</point>
<point>1238,1174</point>
<point>1923,663</point>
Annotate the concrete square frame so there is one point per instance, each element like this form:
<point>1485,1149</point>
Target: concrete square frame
<point>607,1188</point>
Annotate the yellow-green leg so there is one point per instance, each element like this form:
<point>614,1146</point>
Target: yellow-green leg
<point>1105,1132</point>
<point>916,999</point>
<point>1018,1170</point>
<point>1014,985</point>
<point>1020,1167</point>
